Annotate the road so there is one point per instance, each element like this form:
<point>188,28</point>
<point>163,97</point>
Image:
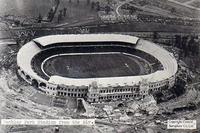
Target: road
<point>185,4</point>
<point>119,6</point>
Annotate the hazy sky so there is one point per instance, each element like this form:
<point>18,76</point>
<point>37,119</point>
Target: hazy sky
<point>24,7</point>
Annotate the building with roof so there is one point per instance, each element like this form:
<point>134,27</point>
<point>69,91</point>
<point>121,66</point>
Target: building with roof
<point>32,56</point>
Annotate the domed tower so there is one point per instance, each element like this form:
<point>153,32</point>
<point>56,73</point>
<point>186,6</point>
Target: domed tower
<point>93,92</point>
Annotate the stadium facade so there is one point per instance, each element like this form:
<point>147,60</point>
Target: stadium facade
<point>31,58</point>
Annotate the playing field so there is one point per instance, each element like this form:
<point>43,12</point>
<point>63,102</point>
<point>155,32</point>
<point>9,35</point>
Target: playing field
<point>94,65</point>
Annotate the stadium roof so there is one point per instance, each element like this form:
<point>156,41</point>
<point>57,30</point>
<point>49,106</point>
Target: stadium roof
<point>110,81</point>
<point>52,39</point>
<point>28,51</point>
<point>24,57</point>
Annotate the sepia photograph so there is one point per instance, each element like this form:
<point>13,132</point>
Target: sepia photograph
<point>99,66</point>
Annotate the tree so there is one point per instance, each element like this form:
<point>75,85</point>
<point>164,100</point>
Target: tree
<point>108,1</point>
<point>197,49</point>
<point>107,9</point>
<point>173,10</point>
<point>64,11</point>
<point>191,45</point>
<point>98,6</point>
<point>92,5</point>
<point>184,45</point>
<point>50,15</point>
<point>132,10</point>
<point>88,2</point>
<point>177,41</point>
<point>179,87</point>
<point>155,36</point>
<point>197,46</point>
<point>39,18</point>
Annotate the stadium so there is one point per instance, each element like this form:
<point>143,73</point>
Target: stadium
<point>96,67</point>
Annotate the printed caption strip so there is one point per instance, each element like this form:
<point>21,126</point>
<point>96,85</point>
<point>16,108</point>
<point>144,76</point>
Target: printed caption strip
<point>87,122</point>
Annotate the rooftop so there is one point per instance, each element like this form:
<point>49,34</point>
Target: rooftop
<point>168,61</point>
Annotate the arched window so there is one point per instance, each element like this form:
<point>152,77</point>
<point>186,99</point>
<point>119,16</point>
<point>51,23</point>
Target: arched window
<point>42,84</point>
<point>28,77</point>
<point>120,105</point>
<point>23,73</point>
<point>35,83</point>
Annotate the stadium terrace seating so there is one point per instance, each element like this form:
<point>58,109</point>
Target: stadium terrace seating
<point>89,48</point>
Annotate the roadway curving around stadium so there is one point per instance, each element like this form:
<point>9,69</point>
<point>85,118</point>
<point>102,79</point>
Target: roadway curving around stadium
<point>96,89</point>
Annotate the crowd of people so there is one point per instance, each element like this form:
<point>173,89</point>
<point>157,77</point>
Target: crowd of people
<point>167,20</point>
<point>153,18</point>
<point>146,18</point>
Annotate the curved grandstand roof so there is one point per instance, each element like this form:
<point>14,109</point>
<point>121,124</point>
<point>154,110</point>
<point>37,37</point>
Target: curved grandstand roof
<point>48,40</point>
<point>28,51</point>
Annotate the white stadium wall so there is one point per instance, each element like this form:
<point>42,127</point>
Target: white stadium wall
<point>130,86</point>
